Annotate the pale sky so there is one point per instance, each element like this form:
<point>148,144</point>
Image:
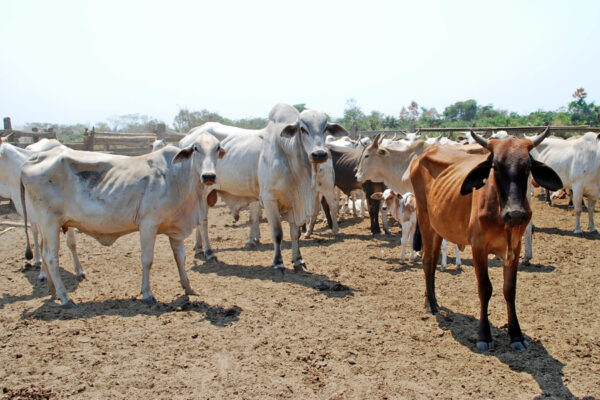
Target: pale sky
<point>84,61</point>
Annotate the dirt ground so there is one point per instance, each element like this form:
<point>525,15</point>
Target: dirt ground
<point>353,327</point>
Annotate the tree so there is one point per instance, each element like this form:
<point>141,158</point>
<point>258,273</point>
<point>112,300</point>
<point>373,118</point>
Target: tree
<point>186,120</point>
<point>461,110</point>
<point>581,111</point>
<point>300,107</point>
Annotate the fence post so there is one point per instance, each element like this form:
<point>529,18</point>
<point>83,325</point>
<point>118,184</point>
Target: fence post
<point>91,141</point>
<point>354,132</point>
<point>7,124</point>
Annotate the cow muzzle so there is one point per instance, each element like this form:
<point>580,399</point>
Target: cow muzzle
<point>318,156</point>
<point>514,217</point>
<point>209,178</point>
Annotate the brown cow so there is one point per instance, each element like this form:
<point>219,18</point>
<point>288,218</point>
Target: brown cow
<point>492,218</point>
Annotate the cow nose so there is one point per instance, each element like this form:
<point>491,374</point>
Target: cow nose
<point>514,217</point>
<point>319,156</point>
<point>209,178</point>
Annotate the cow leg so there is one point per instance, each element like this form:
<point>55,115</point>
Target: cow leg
<point>147,240</point>
<point>354,211</point>
<point>591,206</point>
<point>444,250</point>
<point>44,270</point>
<point>36,249</point>
<point>299,264</point>
<point>457,251</point>
<point>385,221</point>
<point>255,212</point>
<point>208,252</point>
<point>577,199</point>
<point>548,198</point>
<point>405,240</point>
<point>179,254</point>
<point>374,206</point>
<point>329,202</point>
<point>484,287</point>
<point>528,243</point>
<point>517,341</point>
<point>272,210</point>
<point>431,252</point>
<point>72,245</point>
<point>51,243</point>
<point>313,217</point>
<point>198,251</point>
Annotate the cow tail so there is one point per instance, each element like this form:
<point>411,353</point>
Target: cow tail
<point>417,240</point>
<point>28,253</point>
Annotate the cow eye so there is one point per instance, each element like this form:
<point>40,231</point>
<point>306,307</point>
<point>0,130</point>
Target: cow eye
<point>366,156</point>
<point>304,130</point>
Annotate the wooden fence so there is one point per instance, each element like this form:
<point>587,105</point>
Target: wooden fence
<point>110,142</point>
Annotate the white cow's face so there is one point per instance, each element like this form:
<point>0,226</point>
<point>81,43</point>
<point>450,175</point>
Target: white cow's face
<point>312,127</point>
<point>372,161</point>
<point>204,153</point>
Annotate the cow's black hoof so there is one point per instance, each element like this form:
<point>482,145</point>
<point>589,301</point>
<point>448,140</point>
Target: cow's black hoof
<point>520,345</point>
<point>300,267</point>
<point>485,346</point>
<point>41,280</point>
<point>150,301</point>
<point>68,305</point>
<point>81,277</point>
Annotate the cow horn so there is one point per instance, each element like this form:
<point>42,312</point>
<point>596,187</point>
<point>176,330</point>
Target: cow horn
<point>377,140</point>
<point>482,141</point>
<point>539,138</point>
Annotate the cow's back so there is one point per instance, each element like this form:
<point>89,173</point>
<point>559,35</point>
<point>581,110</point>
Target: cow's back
<point>437,176</point>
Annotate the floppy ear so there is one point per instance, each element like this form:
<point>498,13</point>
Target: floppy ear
<point>377,196</point>
<point>290,130</point>
<point>183,154</point>
<point>336,130</point>
<point>474,179</point>
<point>545,176</point>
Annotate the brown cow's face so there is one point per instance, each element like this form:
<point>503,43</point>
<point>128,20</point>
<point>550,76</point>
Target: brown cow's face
<point>511,166</point>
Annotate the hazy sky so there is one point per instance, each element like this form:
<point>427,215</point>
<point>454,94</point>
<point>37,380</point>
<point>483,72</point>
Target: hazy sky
<point>84,61</point>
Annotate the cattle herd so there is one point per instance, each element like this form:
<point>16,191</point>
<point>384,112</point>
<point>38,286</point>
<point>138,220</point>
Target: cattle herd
<point>472,192</point>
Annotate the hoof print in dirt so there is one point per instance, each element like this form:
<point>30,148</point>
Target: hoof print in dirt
<point>333,287</point>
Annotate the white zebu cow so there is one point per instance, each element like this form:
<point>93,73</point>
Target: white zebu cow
<point>238,179</point>
<point>11,160</point>
<point>107,196</point>
<point>577,162</point>
<point>403,208</point>
<point>293,148</point>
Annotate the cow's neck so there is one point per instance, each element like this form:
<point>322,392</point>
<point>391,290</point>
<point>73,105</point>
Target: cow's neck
<point>398,162</point>
<point>302,174</point>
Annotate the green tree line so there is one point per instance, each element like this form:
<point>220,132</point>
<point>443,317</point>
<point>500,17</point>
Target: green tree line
<point>460,114</point>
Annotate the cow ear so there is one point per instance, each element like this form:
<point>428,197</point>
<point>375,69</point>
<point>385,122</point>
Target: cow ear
<point>222,153</point>
<point>382,152</point>
<point>336,130</point>
<point>183,154</point>
<point>475,178</point>
<point>545,176</point>
<point>290,130</point>
<point>377,196</point>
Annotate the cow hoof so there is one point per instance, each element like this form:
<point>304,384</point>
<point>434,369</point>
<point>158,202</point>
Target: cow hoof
<point>199,254</point>
<point>68,305</point>
<point>520,345</point>
<point>442,269</point>
<point>526,261</point>
<point>191,292</point>
<point>41,280</point>
<point>81,276</point>
<point>212,258</point>
<point>300,266</point>
<point>149,301</point>
<point>594,230</point>
<point>485,346</point>
<point>578,232</point>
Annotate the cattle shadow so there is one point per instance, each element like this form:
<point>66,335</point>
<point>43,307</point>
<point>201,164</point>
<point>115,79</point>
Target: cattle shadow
<point>536,361</point>
<point>216,315</point>
<point>565,232</point>
<point>321,283</point>
<point>536,268</point>
<point>39,290</point>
